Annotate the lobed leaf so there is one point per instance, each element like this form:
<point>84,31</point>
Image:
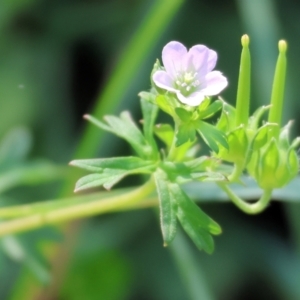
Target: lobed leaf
<point>150,112</point>
<point>211,109</point>
<point>122,163</point>
<point>184,115</point>
<point>167,207</point>
<point>108,177</point>
<point>212,136</point>
<point>125,128</point>
<point>186,133</point>
<point>195,222</point>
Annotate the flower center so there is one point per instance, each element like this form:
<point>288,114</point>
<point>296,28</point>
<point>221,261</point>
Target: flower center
<point>187,81</point>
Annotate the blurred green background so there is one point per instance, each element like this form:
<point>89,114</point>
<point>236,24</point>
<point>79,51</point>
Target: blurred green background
<point>60,59</point>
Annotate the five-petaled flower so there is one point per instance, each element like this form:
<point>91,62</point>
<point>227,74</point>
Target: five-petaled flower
<point>189,74</point>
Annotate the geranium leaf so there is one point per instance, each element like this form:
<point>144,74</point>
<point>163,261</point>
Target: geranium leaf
<point>212,136</point>
<point>184,115</point>
<point>198,225</point>
<point>108,178</point>
<point>125,128</point>
<point>110,171</point>
<point>150,112</point>
<point>126,163</point>
<point>211,110</point>
<point>167,207</point>
<point>185,133</point>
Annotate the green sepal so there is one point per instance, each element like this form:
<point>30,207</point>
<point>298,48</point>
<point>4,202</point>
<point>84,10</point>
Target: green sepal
<point>255,119</point>
<point>226,122</point>
<point>198,225</point>
<point>212,136</point>
<point>292,163</point>
<point>259,141</point>
<point>211,110</point>
<point>284,135</point>
<point>168,207</point>
<point>267,166</point>
<point>261,136</point>
<point>125,128</point>
<point>238,145</point>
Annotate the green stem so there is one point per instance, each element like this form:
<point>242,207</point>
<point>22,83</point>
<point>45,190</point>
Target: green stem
<point>77,211</point>
<point>44,206</point>
<point>236,173</point>
<point>249,208</point>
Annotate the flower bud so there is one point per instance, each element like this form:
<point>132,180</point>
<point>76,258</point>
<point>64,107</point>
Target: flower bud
<point>276,163</point>
<point>237,146</point>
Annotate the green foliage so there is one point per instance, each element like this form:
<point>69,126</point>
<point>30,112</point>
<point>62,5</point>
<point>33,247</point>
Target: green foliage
<point>212,136</point>
<point>125,128</point>
<point>167,206</point>
<point>194,221</point>
<point>110,171</point>
<point>38,95</point>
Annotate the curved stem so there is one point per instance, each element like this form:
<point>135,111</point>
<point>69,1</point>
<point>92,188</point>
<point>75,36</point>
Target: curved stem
<point>77,211</point>
<point>249,208</point>
<point>236,173</point>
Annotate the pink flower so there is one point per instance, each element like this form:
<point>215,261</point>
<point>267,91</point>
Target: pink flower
<point>189,74</point>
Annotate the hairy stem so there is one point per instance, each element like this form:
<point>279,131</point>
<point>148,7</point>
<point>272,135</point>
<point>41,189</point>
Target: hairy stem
<point>77,211</point>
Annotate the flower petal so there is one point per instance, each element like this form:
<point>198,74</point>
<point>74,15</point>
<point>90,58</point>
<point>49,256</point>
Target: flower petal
<point>215,83</point>
<point>193,99</point>
<point>212,59</point>
<point>163,80</point>
<point>199,54</point>
<point>172,56</point>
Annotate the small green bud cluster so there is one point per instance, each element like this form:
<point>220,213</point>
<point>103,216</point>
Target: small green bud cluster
<point>275,163</point>
<point>263,150</point>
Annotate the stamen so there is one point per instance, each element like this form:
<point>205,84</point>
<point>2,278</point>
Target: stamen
<point>195,83</point>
